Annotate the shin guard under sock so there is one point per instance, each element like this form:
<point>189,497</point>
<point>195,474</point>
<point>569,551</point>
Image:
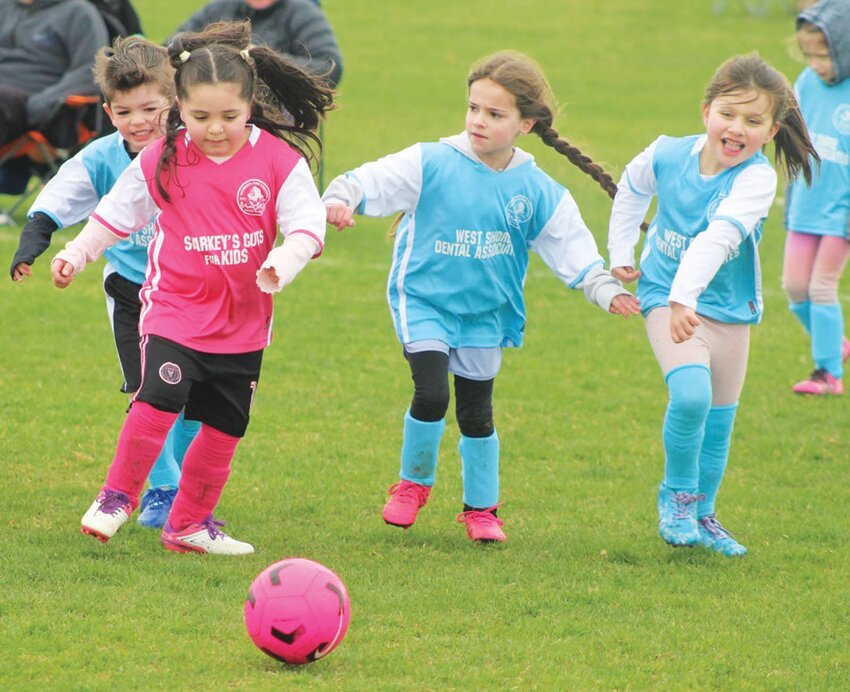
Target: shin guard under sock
<point>419,449</point>
<point>480,470</point>
<point>714,455</point>
<point>827,337</point>
<point>689,387</point>
<point>206,469</point>
<point>139,444</point>
<point>802,312</point>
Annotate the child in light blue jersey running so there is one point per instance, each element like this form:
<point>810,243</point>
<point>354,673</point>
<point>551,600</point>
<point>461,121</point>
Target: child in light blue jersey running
<point>818,217</point>
<point>699,280</point>
<point>473,207</point>
<point>137,83</point>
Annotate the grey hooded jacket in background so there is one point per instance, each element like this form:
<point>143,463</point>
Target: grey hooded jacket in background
<point>47,49</point>
<point>832,17</point>
<point>296,28</point>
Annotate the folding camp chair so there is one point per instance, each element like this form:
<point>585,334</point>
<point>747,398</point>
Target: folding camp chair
<point>40,159</point>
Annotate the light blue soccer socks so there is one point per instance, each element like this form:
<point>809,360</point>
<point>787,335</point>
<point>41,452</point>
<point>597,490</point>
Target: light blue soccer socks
<point>419,449</point>
<point>166,470</point>
<point>802,311</point>
<point>480,470</point>
<point>714,455</point>
<point>712,466</point>
<point>827,328</point>
<point>689,387</point>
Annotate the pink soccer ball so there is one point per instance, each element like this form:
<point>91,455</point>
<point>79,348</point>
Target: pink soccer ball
<point>297,611</point>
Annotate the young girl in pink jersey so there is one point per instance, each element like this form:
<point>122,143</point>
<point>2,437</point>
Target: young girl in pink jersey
<point>230,171</point>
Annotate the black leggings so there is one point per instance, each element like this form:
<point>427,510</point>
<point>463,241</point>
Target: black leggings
<point>473,398</point>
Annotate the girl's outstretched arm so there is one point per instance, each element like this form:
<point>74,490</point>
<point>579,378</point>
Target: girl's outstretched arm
<point>635,191</point>
<point>90,244</point>
<point>624,304</point>
<point>340,215</point>
<point>286,261</point>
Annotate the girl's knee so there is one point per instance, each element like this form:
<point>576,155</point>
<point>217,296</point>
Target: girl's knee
<point>796,289</point>
<point>430,402</point>
<point>689,387</point>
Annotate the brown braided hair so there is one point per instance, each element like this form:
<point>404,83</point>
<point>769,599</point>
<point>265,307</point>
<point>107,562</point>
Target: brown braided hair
<point>522,77</point>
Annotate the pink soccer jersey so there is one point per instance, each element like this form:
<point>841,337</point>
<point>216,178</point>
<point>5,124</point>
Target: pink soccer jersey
<point>212,235</point>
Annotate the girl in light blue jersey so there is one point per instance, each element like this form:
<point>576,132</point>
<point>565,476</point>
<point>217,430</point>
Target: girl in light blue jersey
<point>818,217</point>
<point>473,207</point>
<point>699,278</point>
<point>137,83</point>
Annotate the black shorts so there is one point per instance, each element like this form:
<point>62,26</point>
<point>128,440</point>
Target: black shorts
<point>214,388</point>
<point>124,306</point>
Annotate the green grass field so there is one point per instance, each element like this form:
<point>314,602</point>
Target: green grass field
<point>584,595</point>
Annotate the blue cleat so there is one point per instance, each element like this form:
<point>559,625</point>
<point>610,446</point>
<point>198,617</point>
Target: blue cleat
<point>714,537</point>
<point>677,516</point>
<point>155,505</point>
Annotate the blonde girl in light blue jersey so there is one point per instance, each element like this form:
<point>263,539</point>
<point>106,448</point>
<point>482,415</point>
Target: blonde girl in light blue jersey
<point>474,206</point>
<point>699,282</point>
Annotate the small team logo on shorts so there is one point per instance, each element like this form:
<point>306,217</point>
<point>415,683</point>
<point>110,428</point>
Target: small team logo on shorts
<point>253,196</point>
<point>170,373</point>
<point>841,119</point>
<point>518,211</point>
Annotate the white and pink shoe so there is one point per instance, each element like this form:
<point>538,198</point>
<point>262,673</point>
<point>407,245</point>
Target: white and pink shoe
<point>820,383</point>
<point>108,513</point>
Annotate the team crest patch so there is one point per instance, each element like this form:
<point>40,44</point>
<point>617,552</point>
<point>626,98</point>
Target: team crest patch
<point>713,204</point>
<point>841,119</point>
<point>253,196</point>
<point>518,211</point>
<point>170,373</point>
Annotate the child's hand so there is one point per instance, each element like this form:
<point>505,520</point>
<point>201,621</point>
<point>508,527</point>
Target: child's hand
<point>21,270</point>
<point>268,280</point>
<point>683,322</point>
<point>624,304</point>
<point>340,216</point>
<point>62,273</point>
<point>625,274</point>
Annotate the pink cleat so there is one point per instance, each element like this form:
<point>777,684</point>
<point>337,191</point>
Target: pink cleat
<point>845,349</point>
<point>483,525</point>
<point>406,499</point>
<point>820,382</point>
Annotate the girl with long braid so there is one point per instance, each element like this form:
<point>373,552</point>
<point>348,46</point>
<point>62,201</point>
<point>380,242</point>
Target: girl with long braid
<point>229,173</point>
<point>473,206</point>
<point>699,278</point>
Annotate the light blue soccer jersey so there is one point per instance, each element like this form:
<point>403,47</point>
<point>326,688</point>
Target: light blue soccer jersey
<point>72,195</point>
<point>460,260</point>
<point>687,203</point>
<point>823,208</point>
<point>461,251</point>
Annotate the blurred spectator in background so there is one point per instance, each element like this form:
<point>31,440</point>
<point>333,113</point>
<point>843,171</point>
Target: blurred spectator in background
<point>298,29</point>
<point>47,50</point>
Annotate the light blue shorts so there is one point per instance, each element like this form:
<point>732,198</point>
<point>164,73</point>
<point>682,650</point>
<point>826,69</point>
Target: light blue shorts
<point>471,363</point>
